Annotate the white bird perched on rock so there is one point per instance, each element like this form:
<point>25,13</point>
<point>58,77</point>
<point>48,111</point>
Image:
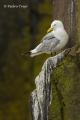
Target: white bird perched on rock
<point>54,41</point>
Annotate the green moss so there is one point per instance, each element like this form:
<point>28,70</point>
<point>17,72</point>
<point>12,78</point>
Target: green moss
<point>64,75</point>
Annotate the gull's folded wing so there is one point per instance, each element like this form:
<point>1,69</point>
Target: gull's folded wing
<point>47,45</point>
<point>49,42</point>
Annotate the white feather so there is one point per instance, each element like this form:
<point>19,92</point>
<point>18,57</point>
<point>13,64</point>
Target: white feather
<point>53,41</point>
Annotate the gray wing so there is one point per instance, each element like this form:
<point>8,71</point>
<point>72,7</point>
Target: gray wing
<point>49,42</point>
<point>48,36</point>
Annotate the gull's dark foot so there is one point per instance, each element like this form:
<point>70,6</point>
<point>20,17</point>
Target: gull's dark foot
<point>51,54</point>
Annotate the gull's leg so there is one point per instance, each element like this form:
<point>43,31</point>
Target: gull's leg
<point>53,54</point>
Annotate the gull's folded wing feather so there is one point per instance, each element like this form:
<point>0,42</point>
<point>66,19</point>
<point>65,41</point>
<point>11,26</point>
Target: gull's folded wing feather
<point>47,45</point>
<point>48,36</point>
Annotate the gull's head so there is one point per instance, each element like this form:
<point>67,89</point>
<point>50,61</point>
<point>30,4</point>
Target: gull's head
<point>56,24</point>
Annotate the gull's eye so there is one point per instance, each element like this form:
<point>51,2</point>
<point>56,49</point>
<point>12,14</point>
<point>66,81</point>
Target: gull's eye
<point>54,24</point>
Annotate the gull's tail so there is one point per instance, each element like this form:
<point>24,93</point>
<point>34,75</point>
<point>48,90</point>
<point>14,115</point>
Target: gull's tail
<point>34,52</point>
<point>37,51</point>
<point>31,53</point>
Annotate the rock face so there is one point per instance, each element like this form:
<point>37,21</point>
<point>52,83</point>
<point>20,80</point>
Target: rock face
<point>41,96</point>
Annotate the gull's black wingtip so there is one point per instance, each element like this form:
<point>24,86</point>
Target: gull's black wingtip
<point>26,53</point>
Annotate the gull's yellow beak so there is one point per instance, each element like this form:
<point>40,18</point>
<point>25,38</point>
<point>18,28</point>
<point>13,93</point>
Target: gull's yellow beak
<point>49,30</point>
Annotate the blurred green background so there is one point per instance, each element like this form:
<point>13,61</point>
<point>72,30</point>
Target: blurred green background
<point>20,31</point>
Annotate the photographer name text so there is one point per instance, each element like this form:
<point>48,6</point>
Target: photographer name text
<point>16,6</point>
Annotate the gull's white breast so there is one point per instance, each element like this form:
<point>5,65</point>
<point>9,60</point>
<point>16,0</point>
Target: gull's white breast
<point>61,35</point>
